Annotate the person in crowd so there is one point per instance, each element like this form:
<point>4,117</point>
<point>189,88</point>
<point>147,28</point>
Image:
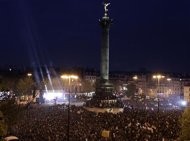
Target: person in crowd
<point>50,123</point>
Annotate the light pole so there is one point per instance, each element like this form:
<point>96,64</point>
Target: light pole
<point>69,77</point>
<point>135,77</point>
<point>158,77</point>
<point>170,87</point>
<point>29,74</point>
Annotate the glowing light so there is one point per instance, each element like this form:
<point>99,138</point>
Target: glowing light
<point>69,76</point>
<point>53,95</point>
<point>158,76</point>
<point>183,103</point>
<point>29,74</point>
<point>169,79</point>
<point>135,77</point>
<point>124,88</point>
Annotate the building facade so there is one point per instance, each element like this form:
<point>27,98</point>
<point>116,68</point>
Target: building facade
<point>186,92</point>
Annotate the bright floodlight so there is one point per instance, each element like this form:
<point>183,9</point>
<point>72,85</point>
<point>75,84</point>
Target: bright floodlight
<point>52,95</point>
<point>169,79</point>
<point>29,74</point>
<point>158,76</point>
<point>135,77</point>
<point>69,76</point>
<point>183,103</point>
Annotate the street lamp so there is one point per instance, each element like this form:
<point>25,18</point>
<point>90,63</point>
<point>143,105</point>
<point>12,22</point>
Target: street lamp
<point>69,77</point>
<point>169,79</point>
<point>158,77</point>
<point>29,74</point>
<point>170,87</point>
<point>135,77</point>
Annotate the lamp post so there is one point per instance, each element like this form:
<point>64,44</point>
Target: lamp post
<point>69,78</point>
<point>158,77</point>
<point>171,88</point>
<point>29,74</point>
<point>31,86</point>
<point>135,77</point>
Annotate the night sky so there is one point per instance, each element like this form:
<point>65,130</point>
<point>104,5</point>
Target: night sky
<point>151,34</point>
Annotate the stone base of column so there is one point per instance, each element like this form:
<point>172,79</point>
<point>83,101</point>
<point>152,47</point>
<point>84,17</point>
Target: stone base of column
<point>104,90</point>
<point>104,96</point>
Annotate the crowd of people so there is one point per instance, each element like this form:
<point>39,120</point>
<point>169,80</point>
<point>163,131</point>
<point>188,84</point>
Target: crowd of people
<point>50,123</point>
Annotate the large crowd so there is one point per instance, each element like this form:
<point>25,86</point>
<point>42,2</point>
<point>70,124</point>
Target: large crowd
<point>50,123</point>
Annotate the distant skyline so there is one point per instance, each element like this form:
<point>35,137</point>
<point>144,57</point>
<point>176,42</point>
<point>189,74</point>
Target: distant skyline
<point>145,34</point>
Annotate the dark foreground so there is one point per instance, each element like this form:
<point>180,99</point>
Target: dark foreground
<point>44,123</point>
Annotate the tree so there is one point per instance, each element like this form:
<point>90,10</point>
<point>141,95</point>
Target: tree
<point>131,89</point>
<point>25,86</point>
<point>88,86</point>
<point>7,84</point>
<point>54,84</point>
<point>117,85</point>
<point>185,125</point>
<point>3,126</point>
